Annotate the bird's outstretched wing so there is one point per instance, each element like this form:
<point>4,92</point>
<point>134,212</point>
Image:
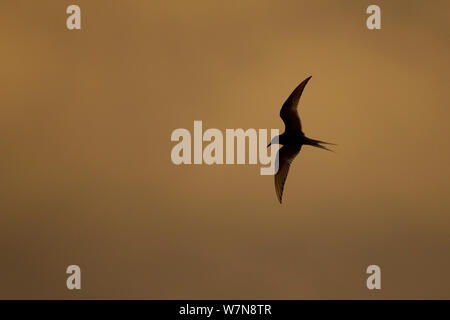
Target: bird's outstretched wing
<point>289,112</point>
<point>285,156</point>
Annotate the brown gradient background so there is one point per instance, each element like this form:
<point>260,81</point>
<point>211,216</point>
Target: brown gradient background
<point>85,170</point>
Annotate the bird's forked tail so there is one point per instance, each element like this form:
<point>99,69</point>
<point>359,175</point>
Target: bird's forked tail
<point>320,144</point>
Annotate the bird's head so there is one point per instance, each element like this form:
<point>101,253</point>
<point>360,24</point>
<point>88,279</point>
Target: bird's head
<point>275,140</point>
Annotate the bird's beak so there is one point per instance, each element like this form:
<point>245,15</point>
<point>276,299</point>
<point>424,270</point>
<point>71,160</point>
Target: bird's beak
<point>269,144</point>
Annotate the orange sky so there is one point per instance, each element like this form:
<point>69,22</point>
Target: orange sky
<point>87,179</point>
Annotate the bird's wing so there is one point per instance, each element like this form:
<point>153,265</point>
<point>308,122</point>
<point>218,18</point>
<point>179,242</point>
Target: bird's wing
<point>289,112</point>
<point>285,157</point>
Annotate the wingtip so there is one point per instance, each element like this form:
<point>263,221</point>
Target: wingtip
<point>278,198</point>
<point>306,80</point>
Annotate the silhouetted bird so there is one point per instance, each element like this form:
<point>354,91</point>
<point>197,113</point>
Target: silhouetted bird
<point>292,138</point>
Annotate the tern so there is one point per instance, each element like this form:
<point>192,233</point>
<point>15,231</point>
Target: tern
<point>292,139</point>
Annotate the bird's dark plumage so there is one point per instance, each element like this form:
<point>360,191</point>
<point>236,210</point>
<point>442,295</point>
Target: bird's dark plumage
<point>285,155</point>
<point>292,138</point>
<point>289,112</point>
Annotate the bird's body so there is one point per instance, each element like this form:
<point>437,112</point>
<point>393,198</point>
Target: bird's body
<point>292,139</point>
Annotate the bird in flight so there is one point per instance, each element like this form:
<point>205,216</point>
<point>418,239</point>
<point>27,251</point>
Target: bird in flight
<point>292,139</point>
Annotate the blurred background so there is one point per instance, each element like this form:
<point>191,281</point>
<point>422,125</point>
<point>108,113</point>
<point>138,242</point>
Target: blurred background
<point>86,176</point>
